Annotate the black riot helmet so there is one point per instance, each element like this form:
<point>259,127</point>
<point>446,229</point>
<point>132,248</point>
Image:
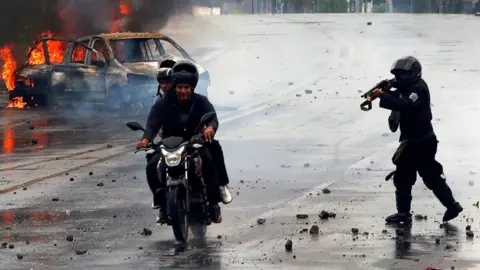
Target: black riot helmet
<point>167,63</point>
<point>185,72</point>
<point>407,70</point>
<point>164,74</point>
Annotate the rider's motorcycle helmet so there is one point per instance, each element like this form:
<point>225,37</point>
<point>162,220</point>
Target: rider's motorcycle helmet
<point>164,74</point>
<point>185,72</point>
<point>167,63</point>
<point>407,70</point>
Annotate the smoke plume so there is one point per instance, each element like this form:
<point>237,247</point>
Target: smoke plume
<point>24,20</point>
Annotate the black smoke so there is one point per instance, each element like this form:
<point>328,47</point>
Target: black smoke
<point>24,20</point>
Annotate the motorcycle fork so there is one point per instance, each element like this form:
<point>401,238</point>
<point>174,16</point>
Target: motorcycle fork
<point>187,186</point>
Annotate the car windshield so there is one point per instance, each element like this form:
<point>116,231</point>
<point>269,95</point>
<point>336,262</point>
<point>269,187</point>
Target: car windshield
<point>139,50</point>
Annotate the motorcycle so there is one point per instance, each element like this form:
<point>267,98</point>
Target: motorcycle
<point>187,204</point>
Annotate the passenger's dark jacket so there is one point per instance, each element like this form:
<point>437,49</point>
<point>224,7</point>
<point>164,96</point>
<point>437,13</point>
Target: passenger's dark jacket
<point>413,104</point>
<point>178,120</point>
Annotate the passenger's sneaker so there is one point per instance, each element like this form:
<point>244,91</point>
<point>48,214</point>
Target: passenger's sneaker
<point>226,195</point>
<point>156,201</point>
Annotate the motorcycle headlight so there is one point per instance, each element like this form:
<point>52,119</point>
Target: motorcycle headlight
<point>173,158</point>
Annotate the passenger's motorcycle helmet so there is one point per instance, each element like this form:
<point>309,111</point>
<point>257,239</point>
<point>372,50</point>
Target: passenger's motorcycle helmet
<point>164,74</point>
<point>407,70</point>
<point>185,72</point>
<point>167,63</point>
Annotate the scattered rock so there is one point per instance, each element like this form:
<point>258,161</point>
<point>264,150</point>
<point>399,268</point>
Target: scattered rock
<point>19,256</point>
<point>261,221</point>
<point>384,231</point>
<point>219,236</point>
<point>476,204</point>
<point>69,238</point>
<point>302,216</point>
<point>289,245</point>
<point>303,230</point>
<point>290,83</point>
<point>100,184</point>
<point>71,179</point>
<point>468,228</point>
<point>109,145</point>
<point>437,241</point>
<point>114,181</point>
<point>81,251</point>
<point>418,217</point>
<point>24,188</point>
<point>306,165</point>
<point>11,246</point>
<point>34,141</point>
<point>314,229</point>
<point>354,230</point>
<point>27,242</point>
<point>332,215</point>
<point>90,173</point>
<point>471,183</point>
<point>470,234</point>
<point>55,199</point>
<point>4,245</point>
<point>369,23</point>
<point>324,215</point>
<point>308,91</point>
<point>326,191</point>
<point>298,95</point>
<point>32,127</point>
<point>146,232</point>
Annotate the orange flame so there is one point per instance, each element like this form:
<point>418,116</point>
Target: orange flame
<point>56,50</point>
<point>124,9</point>
<point>8,68</point>
<point>17,102</point>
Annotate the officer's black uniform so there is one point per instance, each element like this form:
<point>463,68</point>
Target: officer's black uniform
<point>410,106</point>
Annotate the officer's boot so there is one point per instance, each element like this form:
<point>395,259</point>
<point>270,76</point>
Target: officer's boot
<point>403,209</point>
<point>444,194</point>
<point>161,198</point>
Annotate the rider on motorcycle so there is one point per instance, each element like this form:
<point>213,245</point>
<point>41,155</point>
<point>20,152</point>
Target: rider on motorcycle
<point>164,86</point>
<point>179,115</point>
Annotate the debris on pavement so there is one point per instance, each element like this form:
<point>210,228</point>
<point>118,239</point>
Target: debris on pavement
<point>81,251</point>
<point>19,256</point>
<point>468,228</point>
<point>308,91</point>
<point>90,173</point>
<point>314,229</point>
<point>476,204</point>
<point>289,245</point>
<point>302,216</point>
<point>261,221</point>
<point>11,246</point>
<point>109,145</point>
<point>4,245</point>
<point>354,230</point>
<point>306,165</point>
<point>100,184</point>
<point>55,199</point>
<point>219,236</point>
<point>325,215</point>
<point>69,238</point>
<point>420,217</point>
<point>437,241</point>
<point>470,234</point>
<point>146,232</point>
<point>326,191</point>
<point>369,23</point>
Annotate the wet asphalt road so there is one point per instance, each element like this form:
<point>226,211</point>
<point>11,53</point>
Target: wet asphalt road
<point>283,146</point>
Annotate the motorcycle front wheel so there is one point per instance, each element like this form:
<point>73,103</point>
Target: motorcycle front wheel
<point>178,213</point>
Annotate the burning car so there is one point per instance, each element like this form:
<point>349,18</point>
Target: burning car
<point>116,68</point>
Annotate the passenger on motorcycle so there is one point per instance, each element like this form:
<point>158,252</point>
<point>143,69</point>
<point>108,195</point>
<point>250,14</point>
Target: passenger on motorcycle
<point>164,86</point>
<point>179,115</point>
<point>164,78</point>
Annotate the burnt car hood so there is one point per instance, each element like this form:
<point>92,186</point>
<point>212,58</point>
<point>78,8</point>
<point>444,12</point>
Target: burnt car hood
<point>35,70</point>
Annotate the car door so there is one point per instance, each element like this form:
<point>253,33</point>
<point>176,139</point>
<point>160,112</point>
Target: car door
<point>96,71</point>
